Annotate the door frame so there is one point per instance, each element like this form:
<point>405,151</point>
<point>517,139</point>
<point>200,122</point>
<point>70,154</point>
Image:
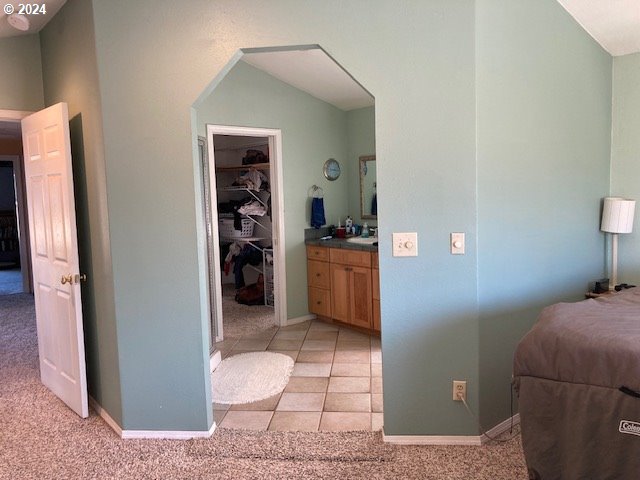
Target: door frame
<point>277,216</point>
<point>15,116</point>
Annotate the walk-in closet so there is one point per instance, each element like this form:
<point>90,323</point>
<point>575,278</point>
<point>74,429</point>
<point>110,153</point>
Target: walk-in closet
<point>245,234</point>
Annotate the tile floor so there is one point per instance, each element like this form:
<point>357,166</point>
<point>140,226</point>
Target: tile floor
<point>336,382</point>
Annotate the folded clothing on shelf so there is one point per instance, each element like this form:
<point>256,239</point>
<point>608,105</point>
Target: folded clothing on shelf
<point>253,180</point>
<point>254,207</point>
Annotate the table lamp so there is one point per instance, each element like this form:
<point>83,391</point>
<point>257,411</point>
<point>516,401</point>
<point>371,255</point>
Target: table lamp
<point>617,217</point>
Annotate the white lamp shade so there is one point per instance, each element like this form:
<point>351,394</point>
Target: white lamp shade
<point>617,215</point>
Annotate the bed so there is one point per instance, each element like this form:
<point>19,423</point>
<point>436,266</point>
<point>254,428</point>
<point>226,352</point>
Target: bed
<point>577,376</point>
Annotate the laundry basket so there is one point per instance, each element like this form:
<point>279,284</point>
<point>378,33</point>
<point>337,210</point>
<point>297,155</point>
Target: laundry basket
<point>226,229</point>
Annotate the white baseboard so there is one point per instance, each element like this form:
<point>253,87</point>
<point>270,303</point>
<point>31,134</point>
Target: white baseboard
<point>451,439</point>
<point>156,434</point>
<point>501,428</point>
<point>304,318</point>
<point>168,434</point>
<point>431,439</point>
<point>214,360</point>
<point>105,416</point>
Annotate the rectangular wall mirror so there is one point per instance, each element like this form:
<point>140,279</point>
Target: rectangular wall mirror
<point>368,192</point>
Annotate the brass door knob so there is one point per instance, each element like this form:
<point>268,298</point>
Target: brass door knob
<point>67,279</point>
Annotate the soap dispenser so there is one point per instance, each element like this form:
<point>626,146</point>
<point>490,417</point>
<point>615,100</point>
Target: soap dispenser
<point>348,223</point>
<point>365,231</point>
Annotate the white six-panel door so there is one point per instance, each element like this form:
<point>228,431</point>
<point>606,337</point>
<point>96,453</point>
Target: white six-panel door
<point>54,253</point>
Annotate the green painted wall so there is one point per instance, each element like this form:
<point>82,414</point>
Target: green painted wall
<point>312,131</point>
<point>544,113</point>
<point>417,59</point>
<point>70,75</point>
<point>21,78</point>
<point>361,135</point>
<point>530,185</point>
<point>625,156</point>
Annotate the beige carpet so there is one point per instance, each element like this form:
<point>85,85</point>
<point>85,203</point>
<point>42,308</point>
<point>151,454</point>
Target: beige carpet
<point>40,438</point>
<point>239,320</point>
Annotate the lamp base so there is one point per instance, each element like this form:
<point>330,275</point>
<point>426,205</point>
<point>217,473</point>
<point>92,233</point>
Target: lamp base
<point>614,262</point>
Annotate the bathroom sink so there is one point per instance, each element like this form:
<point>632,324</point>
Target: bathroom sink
<point>363,240</point>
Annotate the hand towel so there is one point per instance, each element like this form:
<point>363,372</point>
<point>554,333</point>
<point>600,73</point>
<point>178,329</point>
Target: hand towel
<point>317,212</point>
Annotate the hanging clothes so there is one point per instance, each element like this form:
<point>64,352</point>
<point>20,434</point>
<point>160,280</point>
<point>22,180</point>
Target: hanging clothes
<point>234,249</point>
<point>248,256</point>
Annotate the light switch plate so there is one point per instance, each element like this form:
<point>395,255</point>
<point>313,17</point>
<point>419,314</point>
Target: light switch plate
<point>457,244</point>
<point>405,244</point>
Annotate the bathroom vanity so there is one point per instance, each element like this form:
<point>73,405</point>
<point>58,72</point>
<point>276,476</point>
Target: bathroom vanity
<point>343,283</point>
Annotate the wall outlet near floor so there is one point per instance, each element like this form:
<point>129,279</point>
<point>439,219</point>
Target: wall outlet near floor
<point>459,390</point>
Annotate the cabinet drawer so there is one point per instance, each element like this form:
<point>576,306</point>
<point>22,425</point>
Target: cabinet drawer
<point>318,274</point>
<point>320,301</point>
<point>350,257</point>
<point>375,281</point>
<point>317,253</point>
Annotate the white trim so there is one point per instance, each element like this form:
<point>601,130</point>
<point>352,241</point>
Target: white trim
<point>303,318</point>
<point>473,440</point>
<point>214,360</point>
<point>501,428</point>
<point>155,434</point>
<point>105,416</point>
<point>168,434</point>
<point>13,115</point>
<point>431,439</point>
<point>277,208</point>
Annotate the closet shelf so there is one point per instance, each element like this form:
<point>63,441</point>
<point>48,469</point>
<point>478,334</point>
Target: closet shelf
<point>244,239</point>
<point>257,166</point>
<point>239,188</point>
<point>253,193</point>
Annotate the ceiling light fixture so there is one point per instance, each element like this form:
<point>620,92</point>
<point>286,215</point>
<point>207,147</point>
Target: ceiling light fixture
<point>18,21</point>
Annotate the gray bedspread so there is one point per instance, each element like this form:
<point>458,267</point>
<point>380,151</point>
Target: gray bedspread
<point>576,423</point>
<point>594,342</point>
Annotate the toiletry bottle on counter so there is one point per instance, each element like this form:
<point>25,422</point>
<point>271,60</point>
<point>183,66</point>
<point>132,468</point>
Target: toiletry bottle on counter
<point>348,223</point>
<point>365,231</point>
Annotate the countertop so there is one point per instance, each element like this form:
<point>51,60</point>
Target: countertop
<point>341,243</point>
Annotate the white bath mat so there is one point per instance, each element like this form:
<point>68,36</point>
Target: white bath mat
<point>249,377</point>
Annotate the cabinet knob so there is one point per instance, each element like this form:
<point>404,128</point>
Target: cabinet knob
<point>319,302</point>
<point>317,274</point>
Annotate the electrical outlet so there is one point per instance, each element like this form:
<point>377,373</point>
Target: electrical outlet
<point>459,390</point>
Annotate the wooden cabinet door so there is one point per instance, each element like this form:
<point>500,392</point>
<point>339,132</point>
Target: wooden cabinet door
<point>360,305</point>
<point>340,292</point>
<point>375,294</point>
<point>376,315</point>
<point>375,280</point>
